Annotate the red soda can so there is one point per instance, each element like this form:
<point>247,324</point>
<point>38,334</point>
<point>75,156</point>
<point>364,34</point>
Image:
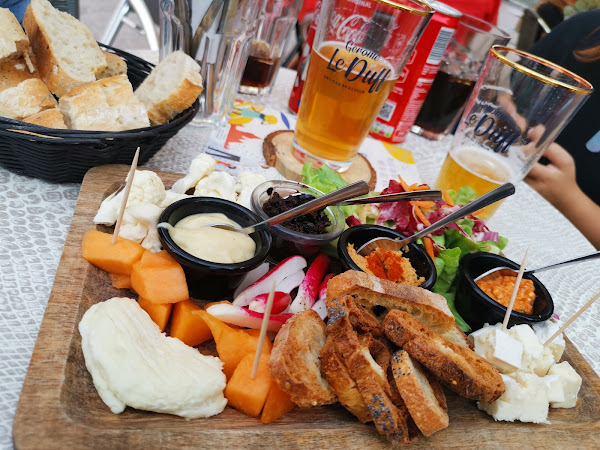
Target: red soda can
<point>400,110</point>
<point>294,101</point>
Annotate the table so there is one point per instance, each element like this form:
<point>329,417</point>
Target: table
<point>35,216</point>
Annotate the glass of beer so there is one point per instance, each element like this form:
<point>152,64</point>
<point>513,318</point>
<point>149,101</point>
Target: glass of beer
<point>519,106</point>
<point>275,20</point>
<point>359,50</point>
<point>461,65</point>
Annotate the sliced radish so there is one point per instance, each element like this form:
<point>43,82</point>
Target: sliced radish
<point>281,301</point>
<point>280,272</point>
<point>321,308</point>
<point>243,317</point>
<point>290,283</point>
<point>251,277</point>
<point>323,287</point>
<point>308,290</point>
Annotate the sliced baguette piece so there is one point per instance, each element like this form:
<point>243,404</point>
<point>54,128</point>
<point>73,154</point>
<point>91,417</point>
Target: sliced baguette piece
<point>104,105</point>
<point>66,53</point>
<point>381,296</point>
<point>50,118</point>
<point>14,72</point>
<point>459,368</point>
<point>173,86</point>
<point>115,65</point>
<point>295,360</point>
<point>26,99</point>
<point>13,40</point>
<point>420,393</point>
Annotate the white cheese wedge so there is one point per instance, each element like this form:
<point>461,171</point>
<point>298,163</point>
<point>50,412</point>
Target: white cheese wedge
<point>570,382</point>
<point>532,349</point>
<point>525,399</point>
<point>498,348</point>
<point>555,389</point>
<point>545,330</point>
<point>133,364</point>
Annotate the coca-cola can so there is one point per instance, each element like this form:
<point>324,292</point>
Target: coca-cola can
<point>294,101</point>
<point>400,110</point>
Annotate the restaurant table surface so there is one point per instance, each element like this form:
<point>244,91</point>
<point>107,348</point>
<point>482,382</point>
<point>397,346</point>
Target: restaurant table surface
<point>35,217</point>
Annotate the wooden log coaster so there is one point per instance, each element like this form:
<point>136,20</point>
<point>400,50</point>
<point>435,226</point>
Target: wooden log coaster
<point>278,151</point>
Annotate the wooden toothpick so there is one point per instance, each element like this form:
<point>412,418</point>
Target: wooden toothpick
<point>263,331</point>
<point>573,317</point>
<point>126,194</point>
<point>515,290</point>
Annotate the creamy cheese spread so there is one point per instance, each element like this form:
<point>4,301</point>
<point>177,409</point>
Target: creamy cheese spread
<point>194,236</point>
<point>133,364</point>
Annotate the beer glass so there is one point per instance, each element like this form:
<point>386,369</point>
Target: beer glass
<point>359,50</point>
<point>519,106</point>
<point>461,65</point>
<point>275,20</point>
<point>217,34</point>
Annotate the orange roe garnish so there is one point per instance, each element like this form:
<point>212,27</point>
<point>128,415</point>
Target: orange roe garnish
<point>375,265</point>
<point>392,263</point>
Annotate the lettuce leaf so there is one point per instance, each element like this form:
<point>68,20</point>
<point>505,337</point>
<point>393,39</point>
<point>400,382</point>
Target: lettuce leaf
<point>326,180</point>
<point>450,297</point>
<point>464,195</point>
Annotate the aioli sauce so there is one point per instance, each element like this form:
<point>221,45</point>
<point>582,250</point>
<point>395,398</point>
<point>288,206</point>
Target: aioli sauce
<point>212,244</point>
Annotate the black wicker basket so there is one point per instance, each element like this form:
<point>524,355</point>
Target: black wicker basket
<point>66,155</point>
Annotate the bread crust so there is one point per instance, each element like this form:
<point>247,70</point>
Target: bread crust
<point>295,360</point>
<point>27,98</point>
<point>380,296</point>
<point>115,65</point>
<point>459,368</point>
<point>14,72</point>
<point>421,393</point>
<point>12,36</point>
<point>50,118</point>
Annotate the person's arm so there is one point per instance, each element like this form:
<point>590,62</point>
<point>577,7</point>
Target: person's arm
<point>556,183</point>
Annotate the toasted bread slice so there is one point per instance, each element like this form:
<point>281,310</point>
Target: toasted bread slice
<point>14,72</point>
<point>66,52</point>
<point>50,118</point>
<point>420,394</point>
<point>381,296</point>
<point>27,98</point>
<point>173,85</point>
<point>13,41</point>
<point>104,105</point>
<point>115,65</point>
<point>295,360</point>
<point>459,368</point>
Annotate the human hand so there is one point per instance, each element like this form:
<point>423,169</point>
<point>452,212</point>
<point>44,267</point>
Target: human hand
<point>555,181</point>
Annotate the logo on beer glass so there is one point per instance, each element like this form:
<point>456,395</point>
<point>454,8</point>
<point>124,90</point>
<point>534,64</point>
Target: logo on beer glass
<point>496,129</point>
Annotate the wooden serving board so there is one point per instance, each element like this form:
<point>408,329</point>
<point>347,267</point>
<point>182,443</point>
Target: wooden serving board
<point>59,406</point>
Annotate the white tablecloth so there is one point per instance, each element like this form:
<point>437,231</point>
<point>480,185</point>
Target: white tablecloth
<point>35,217</point>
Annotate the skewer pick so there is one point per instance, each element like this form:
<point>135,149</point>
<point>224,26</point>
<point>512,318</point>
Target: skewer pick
<point>263,331</point>
<point>515,290</point>
<point>573,317</point>
<point>130,176</point>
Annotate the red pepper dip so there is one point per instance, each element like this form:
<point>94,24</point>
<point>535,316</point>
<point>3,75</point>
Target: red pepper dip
<point>499,286</point>
<point>387,265</point>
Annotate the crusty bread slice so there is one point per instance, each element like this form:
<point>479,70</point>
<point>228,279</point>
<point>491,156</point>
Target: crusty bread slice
<point>104,105</point>
<point>27,98</point>
<point>458,367</point>
<point>14,72</point>
<point>420,394</point>
<point>295,360</point>
<point>66,53</point>
<point>50,118</point>
<point>173,85</point>
<point>13,41</point>
<point>115,65</point>
<point>381,296</point>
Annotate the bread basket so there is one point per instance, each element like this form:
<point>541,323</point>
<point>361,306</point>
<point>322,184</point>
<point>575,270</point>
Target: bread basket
<point>66,155</point>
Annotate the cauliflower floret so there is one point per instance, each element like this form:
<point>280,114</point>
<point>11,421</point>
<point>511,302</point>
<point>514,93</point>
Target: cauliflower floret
<point>147,187</point>
<point>202,166</point>
<point>172,197</point>
<point>220,185</point>
<point>146,215</point>
<point>248,181</point>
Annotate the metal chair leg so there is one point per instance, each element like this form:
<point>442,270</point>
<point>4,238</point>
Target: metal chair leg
<point>147,23</point>
<point>115,22</point>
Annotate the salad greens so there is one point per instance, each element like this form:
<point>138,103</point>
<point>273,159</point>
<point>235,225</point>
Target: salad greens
<point>447,246</point>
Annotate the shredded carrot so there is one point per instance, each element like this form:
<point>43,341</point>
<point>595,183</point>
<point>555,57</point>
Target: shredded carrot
<point>429,247</point>
<point>421,216</point>
<point>403,184</point>
<point>477,213</point>
<point>423,204</point>
<point>447,198</point>
<point>416,187</point>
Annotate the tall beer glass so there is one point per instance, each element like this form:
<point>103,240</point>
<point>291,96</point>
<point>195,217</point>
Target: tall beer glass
<point>519,106</point>
<point>359,50</point>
